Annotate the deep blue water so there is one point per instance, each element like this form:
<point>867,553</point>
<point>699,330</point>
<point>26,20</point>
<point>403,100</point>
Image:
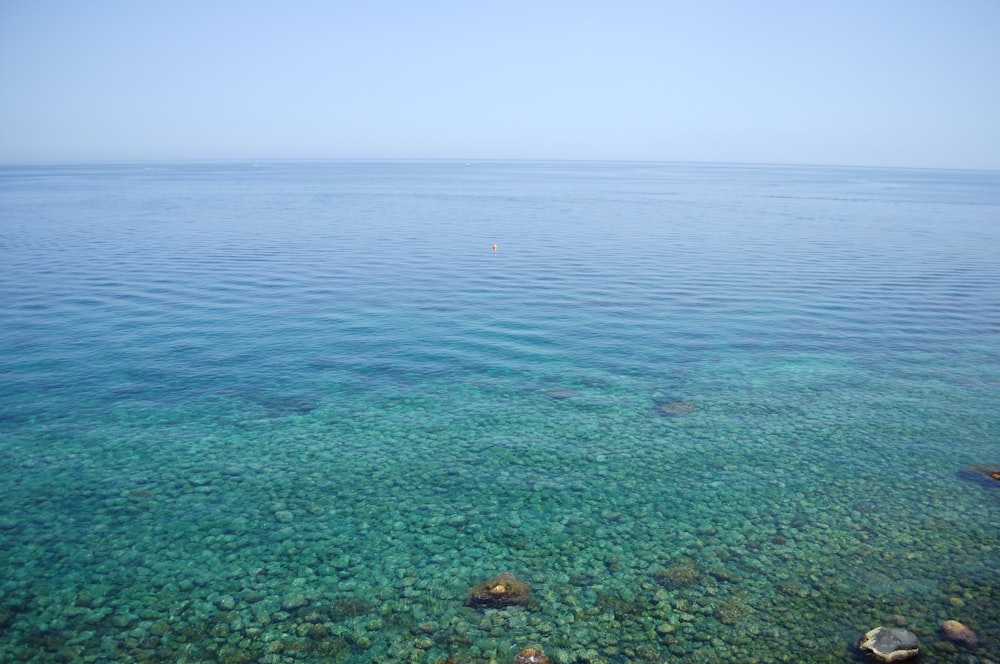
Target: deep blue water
<point>294,411</point>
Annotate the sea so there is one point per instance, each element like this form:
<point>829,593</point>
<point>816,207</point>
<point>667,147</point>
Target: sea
<point>304,411</point>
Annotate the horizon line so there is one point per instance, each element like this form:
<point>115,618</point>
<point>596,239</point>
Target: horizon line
<point>465,161</point>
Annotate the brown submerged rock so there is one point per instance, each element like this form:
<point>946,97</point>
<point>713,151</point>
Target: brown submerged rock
<point>959,633</point>
<point>889,644</point>
<point>502,590</point>
<point>531,656</point>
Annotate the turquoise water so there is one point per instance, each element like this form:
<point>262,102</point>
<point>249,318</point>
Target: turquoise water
<point>289,412</point>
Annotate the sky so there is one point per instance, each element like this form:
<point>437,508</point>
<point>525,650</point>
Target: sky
<point>850,82</point>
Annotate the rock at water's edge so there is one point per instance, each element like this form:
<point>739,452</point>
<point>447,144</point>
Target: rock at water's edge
<point>889,644</point>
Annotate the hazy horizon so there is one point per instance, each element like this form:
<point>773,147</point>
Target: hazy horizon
<point>890,84</point>
<point>180,161</point>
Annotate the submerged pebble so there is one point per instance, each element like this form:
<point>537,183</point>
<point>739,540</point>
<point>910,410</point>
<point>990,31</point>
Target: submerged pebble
<point>225,603</point>
<point>295,601</point>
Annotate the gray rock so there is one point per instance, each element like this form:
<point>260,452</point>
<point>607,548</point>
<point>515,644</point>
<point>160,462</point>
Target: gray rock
<point>889,644</point>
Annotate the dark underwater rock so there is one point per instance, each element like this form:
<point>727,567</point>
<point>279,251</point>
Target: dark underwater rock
<point>674,408</point>
<point>561,393</point>
<point>987,474</point>
<point>290,404</point>
<point>502,590</point>
<point>682,573</point>
<point>343,608</point>
<point>889,644</point>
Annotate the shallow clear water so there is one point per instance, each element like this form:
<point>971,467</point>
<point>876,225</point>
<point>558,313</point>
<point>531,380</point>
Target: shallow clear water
<point>295,411</point>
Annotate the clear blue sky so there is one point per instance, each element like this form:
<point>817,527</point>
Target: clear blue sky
<point>863,82</point>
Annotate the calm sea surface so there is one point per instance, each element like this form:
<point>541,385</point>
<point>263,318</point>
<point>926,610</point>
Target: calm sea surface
<point>287,412</point>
